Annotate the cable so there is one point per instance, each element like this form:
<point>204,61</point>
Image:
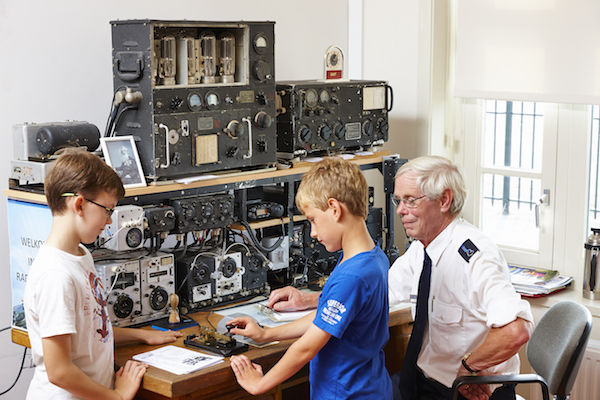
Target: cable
<point>4,329</point>
<point>18,375</point>
<point>257,243</point>
<point>120,114</point>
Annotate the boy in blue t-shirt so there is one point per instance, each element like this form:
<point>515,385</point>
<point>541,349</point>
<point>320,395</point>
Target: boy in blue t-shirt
<point>344,338</point>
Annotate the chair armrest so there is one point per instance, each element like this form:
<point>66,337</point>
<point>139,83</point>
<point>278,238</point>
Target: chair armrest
<point>499,379</point>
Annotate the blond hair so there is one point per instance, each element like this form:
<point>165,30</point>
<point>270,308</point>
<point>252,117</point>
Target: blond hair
<point>334,178</point>
<point>79,171</point>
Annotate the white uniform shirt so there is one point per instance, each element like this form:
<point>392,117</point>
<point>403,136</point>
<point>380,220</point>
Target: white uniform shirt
<point>466,298</point>
<point>63,295</point>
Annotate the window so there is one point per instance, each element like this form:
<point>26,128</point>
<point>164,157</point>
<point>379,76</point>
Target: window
<point>515,174</point>
<point>593,217</point>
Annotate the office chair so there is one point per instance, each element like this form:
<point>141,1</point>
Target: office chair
<point>555,351</point>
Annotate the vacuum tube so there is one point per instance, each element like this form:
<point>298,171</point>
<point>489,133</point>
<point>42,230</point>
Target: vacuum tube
<point>227,58</point>
<point>209,55</point>
<point>167,60</point>
<point>188,59</point>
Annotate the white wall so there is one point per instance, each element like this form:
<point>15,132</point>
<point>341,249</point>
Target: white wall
<point>395,46</point>
<point>56,65</point>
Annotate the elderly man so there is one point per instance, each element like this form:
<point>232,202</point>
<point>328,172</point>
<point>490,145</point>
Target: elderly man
<point>468,318</point>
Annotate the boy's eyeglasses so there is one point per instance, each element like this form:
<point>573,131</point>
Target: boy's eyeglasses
<point>107,210</point>
<point>409,202</point>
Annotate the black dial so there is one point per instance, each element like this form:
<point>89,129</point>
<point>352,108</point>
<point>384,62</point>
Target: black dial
<point>123,306</point>
<point>228,267</point>
<point>201,272</point>
<point>134,237</point>
<point>304,134</point>
<point>262,71</point>
<point>382,126</point>
<point>254,263</point>
<point>325,132</point>
<point>367,127</point>
<point>263,120</point>
<point>339,130</point>
<point>158,298</point>
<point>234,129</point>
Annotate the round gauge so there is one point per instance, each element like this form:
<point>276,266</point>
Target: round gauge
<point>134,238</point>
<point>324,97</point>
<point>311,97</point>
<point>194,101</point>
<point>260,43</point>
<point>212,100</point>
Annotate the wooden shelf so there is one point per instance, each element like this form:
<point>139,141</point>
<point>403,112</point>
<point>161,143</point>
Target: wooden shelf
<point>268,223</point>
<point>298,168</point>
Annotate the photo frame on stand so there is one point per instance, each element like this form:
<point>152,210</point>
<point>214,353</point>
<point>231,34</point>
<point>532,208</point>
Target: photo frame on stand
<point>121,154</point>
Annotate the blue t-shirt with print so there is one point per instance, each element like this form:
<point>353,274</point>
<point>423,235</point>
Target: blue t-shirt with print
<point>353,308</point>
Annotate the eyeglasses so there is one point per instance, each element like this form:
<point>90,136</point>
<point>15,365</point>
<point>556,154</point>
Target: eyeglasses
<point>107,210</point>
<point>409,202</point>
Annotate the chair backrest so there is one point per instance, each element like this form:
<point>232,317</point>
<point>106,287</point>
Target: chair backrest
<point>557,344</point>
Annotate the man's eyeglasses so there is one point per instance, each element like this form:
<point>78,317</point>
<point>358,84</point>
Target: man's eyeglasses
<point>107,210</point>
<point>409,202</point>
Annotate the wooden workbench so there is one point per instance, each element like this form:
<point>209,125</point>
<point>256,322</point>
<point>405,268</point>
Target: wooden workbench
<point>218,382</point>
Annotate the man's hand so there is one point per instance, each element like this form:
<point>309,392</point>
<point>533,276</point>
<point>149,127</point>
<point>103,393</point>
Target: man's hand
<point>154,337</point>
<point>246,326</point>
<point>290,299</point>
<point>128,379</point>
<point>474,392</point>
<point>247,373</point>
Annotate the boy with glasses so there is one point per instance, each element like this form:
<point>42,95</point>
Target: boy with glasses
<point>65,304</point>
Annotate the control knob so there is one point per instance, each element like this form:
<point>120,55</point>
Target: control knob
<point>367,127</point>
<point>325,132</point>
<point>263,120</point>
<point>234,129</point>
<point>304,134</point>
<point>339,130</point>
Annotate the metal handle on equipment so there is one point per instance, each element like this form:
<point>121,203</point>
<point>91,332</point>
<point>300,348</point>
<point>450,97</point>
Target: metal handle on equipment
<point>249,122</point>
<point>168,155</point>
<point>390,98</point>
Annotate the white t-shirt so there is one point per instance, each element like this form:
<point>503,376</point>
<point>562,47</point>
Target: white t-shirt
<point>470,293</point>
<point>64,295</point>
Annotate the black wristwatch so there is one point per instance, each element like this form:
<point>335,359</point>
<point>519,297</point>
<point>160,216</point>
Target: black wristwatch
<point>464,364</point>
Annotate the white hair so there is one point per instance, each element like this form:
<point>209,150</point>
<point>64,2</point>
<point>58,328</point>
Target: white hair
<point>434,174</point>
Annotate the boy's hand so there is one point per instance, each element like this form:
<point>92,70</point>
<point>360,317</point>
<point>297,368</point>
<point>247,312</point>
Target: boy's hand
<point>247,373</point>
<point>287,299</point>
<point>246,326</point>
<point>154,337</point>
<point>128,379</point>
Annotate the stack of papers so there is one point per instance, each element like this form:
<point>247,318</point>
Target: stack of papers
<point>177,360</point>
<point>534,282</point>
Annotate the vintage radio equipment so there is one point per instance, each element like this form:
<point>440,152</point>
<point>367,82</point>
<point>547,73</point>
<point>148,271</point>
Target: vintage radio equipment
<point>228,274</point>
<point>194,213</point>
<point>194,283</point>
<point>207,92</point>
<point>121,281</point>
<point>330,116</point>
<point>254,280</point>
<point>157,274</point>
<point>126,230</point>
<point>259,210</point>
<point>158,220</point>
<point>35,143</point>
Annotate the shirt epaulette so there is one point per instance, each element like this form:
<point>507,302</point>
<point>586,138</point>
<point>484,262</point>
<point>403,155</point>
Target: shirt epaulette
<point>467,250</point>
